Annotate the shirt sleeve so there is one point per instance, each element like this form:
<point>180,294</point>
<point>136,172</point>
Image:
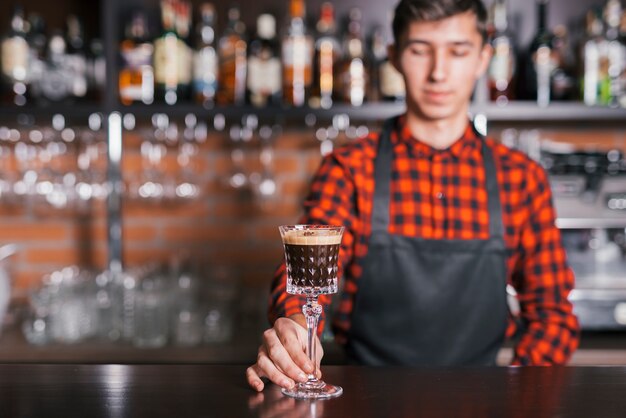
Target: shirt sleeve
<point>330,202</point>
<point>543,280</point>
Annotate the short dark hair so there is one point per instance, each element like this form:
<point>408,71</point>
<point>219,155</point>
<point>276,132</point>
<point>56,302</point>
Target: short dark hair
<point>408,11</point>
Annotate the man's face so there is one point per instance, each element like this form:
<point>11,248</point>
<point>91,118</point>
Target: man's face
<point>441,62</point>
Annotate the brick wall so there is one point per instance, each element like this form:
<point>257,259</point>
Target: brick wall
<point>224,228</point>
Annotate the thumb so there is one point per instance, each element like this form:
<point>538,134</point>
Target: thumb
<point>319,353</point>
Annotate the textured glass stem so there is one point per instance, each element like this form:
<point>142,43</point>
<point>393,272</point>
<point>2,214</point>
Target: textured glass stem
<point>312,311</point>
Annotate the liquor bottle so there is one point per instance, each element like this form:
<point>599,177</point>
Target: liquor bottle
<point>611,92</point>
<point>37,41</point>
<point>562,77</point>
<point>166,72</point>
<point>232,56</point>
<point>622,38</point>
<point>136,77</point>
<point>264,66</point>
<point>14,60</point>
<point>75,57</point>
<point>205,58</point>
<point>594,59</point>
<point>96,71</point>
<point>55,84</point>
<point>541,63</point>
<point>184,51</point>
<point>327,54</point>
<point>502,66</point>
<point>352,77</point>
<point>37,35</point>
<point>386,83</point>
<point>297,53</point>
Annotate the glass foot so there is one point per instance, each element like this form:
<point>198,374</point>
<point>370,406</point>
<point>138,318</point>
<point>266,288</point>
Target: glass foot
<point>313,390</point>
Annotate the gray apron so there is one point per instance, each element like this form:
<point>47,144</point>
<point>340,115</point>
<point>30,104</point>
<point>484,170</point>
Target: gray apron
<point>427,302</point>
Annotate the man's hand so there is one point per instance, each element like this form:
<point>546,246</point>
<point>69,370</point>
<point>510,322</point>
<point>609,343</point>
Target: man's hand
<point>282,357</point>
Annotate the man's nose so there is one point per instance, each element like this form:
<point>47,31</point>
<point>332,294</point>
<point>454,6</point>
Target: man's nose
<point>439,66</point>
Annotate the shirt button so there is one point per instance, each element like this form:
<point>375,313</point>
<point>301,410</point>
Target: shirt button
<point>440,195</point>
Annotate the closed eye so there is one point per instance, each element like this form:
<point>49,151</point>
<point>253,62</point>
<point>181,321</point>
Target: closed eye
<point>419,50</point>
<point>460,52</point>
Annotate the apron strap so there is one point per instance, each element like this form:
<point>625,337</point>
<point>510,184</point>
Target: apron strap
<point>382,178</point>
<point>382,185</point>
<point>496,226</point>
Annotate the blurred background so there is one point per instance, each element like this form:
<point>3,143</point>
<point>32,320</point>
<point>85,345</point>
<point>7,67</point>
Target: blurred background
<point>149,150</point>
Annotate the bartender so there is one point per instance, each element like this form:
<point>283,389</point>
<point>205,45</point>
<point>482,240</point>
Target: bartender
<point>439,220</point>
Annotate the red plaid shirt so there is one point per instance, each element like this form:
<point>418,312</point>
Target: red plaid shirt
<point>342,194</point>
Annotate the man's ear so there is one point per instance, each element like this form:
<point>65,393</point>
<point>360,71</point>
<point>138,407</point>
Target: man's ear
<point>484,59</point>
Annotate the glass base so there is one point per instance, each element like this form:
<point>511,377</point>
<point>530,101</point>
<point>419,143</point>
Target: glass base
<point>313,390</point>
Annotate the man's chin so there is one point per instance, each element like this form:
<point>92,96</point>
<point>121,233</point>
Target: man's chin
<point>434,113</point>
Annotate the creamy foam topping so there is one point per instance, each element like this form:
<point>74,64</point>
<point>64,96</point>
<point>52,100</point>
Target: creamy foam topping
<point>311,237</point>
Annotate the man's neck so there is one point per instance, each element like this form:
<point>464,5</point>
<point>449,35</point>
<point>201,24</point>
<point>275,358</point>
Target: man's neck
<point>439,134</point>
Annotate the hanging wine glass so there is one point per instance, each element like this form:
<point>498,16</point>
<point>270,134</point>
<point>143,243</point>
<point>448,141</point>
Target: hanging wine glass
<point>265,186</point>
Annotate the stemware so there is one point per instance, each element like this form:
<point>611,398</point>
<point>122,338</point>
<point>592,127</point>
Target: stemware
<point>311,259</point>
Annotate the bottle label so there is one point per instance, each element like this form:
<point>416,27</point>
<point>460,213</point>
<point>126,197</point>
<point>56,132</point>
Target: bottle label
<point>616,62</point>
<point>544,66</point>
<point>137,56</point>
<point>55,84</point>
<point>298,56</point>
<point>357,83</point>
<point>77,68</point>
<point>501,65</point>
<point>622,79</point>
<point>391,81</point>
<point>232,71</point>
<point>327,53</point>
<point>264,76</point>
<point>15,58</point>
<point>165,57</point>
<point>205,69</point>
<point>591,76</point>
<point>137,85</point>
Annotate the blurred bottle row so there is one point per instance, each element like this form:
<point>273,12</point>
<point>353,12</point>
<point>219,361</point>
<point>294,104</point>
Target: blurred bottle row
<point>301,66</point>
<point>304,63</point>
<point>44,68</point>
<point>589,65</point>
<point>148,307</point>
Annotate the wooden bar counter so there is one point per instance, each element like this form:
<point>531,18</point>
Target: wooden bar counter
<point>187,390</point>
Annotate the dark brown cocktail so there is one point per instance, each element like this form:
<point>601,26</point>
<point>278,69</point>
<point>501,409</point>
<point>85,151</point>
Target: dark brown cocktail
<point>311,263</point>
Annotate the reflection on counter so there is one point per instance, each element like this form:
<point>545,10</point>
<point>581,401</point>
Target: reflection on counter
<point>147,307</point>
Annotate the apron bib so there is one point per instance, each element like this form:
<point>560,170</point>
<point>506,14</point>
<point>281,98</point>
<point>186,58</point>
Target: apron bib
<point>425,302</point>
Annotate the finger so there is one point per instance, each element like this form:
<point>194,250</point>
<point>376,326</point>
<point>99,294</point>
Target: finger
<point>293,338</point>
<point>319,351</point>
<point>282,351</point>
<point>266,368</point>
<point>254,378</point>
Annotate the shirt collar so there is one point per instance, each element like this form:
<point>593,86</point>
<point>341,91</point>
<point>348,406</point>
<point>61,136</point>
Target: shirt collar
<point>467,145</point>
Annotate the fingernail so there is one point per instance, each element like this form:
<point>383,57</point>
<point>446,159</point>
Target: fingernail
<point>258,386</point>
<point>309,368</point>
<point>302,377</point>
<point>287,384</point>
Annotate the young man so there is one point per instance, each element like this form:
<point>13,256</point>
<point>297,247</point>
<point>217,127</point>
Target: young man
<point>438,221</point>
